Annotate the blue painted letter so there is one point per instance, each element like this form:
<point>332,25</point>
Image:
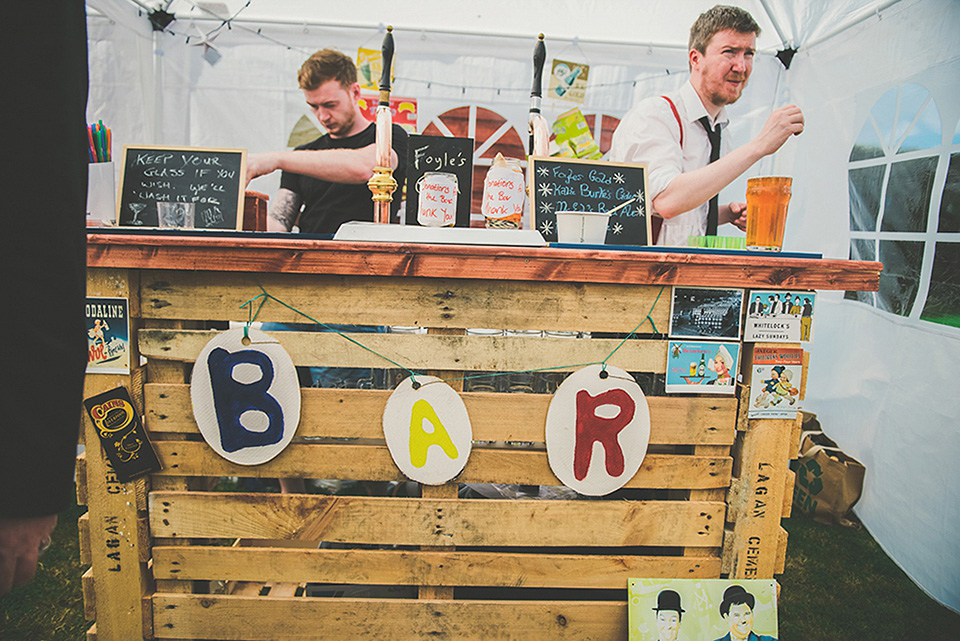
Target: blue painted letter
<point>232,399</point>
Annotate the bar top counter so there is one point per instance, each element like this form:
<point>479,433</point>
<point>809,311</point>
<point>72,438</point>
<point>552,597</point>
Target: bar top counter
<point>270,253</point>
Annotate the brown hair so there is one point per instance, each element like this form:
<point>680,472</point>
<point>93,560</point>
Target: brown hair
<point>720,18</point>
<point>326,65</point>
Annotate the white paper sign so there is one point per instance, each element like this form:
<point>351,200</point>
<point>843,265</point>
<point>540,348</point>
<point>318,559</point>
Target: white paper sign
<point>503,193</point>
<point>437,202</point>
<point>598,428</point>
<point>427,430</point>
<point>246,396</point>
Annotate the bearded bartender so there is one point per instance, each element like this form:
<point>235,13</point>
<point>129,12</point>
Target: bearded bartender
<point>324,183</point>
<point>687,166</point>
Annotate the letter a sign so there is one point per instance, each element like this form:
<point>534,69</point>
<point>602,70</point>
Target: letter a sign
<point>598,428</point>
<point>427,430</point>
<point>246,397</point>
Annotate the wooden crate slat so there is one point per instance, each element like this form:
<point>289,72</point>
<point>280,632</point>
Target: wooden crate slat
<point>350,413</point>
<point>426,302</point>
<point>267,619</point>
<point>431,351</point>
<point>374,463</point>
<point>401,521</point>
<point>419,567</point>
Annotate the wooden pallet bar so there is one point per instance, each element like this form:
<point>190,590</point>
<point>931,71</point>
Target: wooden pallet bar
<point>208,549</point>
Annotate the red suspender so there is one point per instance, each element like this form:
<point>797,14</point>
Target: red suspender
<point>655,221</point>
<point>676,115</point>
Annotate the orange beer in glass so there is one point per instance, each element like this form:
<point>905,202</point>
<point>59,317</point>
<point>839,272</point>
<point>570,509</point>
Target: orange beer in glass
<point>767,200</point>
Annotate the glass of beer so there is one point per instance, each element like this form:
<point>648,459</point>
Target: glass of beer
<point>767,200</point>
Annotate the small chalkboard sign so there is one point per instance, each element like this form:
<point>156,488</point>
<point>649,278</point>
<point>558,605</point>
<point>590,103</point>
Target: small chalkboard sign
<point>440,154</point>
<point>213,179</point>
<point>570,184</point>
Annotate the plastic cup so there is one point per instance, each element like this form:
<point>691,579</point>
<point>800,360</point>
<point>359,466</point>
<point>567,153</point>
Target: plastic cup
<point>177,215</point>
<point>582,227</point>
<point>767,200</point>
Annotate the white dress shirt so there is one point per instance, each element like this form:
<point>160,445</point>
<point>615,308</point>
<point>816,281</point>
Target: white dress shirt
<point>649,134</point>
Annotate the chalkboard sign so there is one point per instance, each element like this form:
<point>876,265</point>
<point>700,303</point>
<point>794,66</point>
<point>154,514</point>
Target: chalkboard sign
<point>440,154</point>
<point>213,179</point>
<point>569,184</point>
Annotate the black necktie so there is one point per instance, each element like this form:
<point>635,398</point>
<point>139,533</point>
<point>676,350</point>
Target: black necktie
<point>714,211</point>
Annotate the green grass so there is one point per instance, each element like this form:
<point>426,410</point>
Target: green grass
<point>50,608</point>
<point>838,585</point>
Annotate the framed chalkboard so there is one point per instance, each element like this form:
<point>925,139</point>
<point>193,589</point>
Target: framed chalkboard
<point>440,154</point>
<point>570,184</point>
<point>213,179</point>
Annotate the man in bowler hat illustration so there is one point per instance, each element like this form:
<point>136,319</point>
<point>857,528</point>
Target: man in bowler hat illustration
<point>668,615</point>
<point>737,610</point>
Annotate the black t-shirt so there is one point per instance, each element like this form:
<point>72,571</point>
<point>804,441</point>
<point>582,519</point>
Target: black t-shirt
<point>327,205</point>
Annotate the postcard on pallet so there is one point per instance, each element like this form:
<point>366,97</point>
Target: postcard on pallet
<point>774,373</point>
<point>701,367</point>
<point>721,609</point>
<point>779,317</point>
<point>701,312</point>
<point>108,336</point>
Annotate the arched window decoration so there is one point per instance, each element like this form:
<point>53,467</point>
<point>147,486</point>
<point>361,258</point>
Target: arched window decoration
<point>904,184</point>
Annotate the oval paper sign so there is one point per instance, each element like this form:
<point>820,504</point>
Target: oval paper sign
<point>427,430</point>
<point>246,396</point>
<point>598,428</point>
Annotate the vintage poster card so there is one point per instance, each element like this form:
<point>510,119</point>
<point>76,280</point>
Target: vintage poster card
<point>370,68</point>
<point>699,312</point>
<point>122,434</point>
<point>779,317</point>
<point>403,110</point>
<point>701,367</point>
<point>572,137</point>
<point>108,336</point>
<point>702,609</point>
<point>568,81</point>
<point>775,373</point>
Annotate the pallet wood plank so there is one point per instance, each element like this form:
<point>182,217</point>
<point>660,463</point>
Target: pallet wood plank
<point>443,522</point>
<point>119,576</point>
<point>418,352</point>
<point>349,413</point>
<point>267,619</point>
<point>374,463</point>
<point>436,303</point>
<point>758,499</point>
<point>423,567</point>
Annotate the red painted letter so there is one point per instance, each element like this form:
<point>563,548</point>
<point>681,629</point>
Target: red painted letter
<point>592,428</point>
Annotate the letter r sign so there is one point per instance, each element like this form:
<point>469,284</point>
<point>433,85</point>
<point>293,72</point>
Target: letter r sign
<point>598,428</point>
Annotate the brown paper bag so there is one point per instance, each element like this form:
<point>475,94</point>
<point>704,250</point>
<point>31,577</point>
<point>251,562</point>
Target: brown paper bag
<point>828,482</point>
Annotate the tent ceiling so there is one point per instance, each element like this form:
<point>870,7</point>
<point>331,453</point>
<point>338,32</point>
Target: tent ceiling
<point>659,23</point>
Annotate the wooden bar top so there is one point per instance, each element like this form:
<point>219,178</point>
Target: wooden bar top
<point>307,256</point>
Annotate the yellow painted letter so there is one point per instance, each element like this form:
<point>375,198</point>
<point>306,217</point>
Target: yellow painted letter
<point>420,440</point>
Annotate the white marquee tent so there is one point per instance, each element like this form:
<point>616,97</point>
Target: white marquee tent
<point>876,172</point>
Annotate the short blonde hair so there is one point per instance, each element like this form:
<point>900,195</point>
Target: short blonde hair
<point>720,18</point>
<point>326,65</point>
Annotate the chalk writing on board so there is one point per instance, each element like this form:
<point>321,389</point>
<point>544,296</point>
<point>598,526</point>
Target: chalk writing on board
<point>568,184</point>
<point>213,179</point>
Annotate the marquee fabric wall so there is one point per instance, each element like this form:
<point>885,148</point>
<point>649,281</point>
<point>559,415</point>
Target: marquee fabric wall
<point>881,376</point>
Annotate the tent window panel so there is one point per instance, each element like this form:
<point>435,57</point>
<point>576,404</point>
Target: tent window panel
<point>943,300</point>
<point>950,201</point>
<point>919,119</point>
<point>865,187</point>
<point>900,278</point>
<point>868,145</point>
<point>907,203</point>
<point>862,249</point>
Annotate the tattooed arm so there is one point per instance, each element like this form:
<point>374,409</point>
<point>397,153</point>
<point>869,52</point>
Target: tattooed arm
<point>284,211</point>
